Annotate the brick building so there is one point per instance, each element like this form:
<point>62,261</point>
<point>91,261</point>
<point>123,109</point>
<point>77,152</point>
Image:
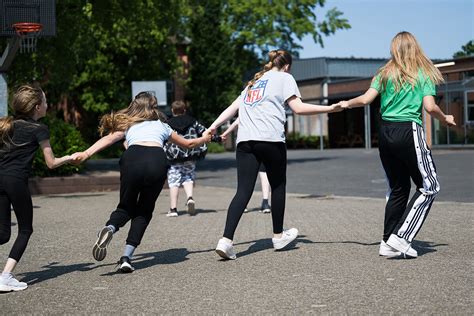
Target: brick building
<point>329,80</point>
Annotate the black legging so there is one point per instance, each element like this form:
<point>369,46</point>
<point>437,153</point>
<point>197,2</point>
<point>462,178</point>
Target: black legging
<point>142,176</point>
<point>14,191</point>
<point>250,155</point>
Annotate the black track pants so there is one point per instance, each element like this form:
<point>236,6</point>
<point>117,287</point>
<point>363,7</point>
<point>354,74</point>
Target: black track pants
<point>405,155</point>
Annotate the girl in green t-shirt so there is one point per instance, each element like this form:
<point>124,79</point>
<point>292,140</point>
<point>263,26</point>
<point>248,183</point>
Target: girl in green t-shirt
<point>406,83</point>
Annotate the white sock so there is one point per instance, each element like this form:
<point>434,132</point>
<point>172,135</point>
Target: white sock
<point>128,251</point>
<point>6,275</point>
<point>112,228</point>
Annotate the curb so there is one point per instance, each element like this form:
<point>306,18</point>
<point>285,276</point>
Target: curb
<point>73,184</point>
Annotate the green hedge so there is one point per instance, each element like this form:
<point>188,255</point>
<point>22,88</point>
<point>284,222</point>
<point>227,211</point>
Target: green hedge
<point>65,139</point>
<point>297,141</point>
<point>214,148</point>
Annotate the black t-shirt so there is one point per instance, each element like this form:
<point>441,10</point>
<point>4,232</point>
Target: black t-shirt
<point>16,159</point>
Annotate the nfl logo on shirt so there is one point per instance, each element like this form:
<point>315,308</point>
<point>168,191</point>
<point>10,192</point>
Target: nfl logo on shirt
<point>256,93</point>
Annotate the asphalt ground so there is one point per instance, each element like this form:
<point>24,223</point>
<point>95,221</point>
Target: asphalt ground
<point>332,268</point>
<point>347,172</point>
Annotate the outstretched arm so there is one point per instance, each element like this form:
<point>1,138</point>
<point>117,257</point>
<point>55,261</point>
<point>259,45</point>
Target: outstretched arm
<point>175,138</point>
<point>51,161</point>
<point>226,115</point>
<point>363,100</point>
<point>299,107</point>
<point>99,145</point>
<point>231,128</point>
<point>433,109</point>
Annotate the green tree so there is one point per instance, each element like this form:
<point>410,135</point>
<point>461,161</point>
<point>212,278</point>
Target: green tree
<point>466,50</point>
<point>100,47</point>
<point>229,38</point>
<point>215,71</point>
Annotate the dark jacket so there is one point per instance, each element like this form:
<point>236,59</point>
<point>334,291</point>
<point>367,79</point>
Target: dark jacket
<point>188,127</point>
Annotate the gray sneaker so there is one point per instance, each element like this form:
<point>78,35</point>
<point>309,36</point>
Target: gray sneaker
<point>99,251</point>
<point>191,206</point>
<point>8,284</point>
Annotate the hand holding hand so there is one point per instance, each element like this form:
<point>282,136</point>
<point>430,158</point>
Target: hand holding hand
<point>336,107</point>
<point>79,157</point>
<point>345,105</point>
<point>224,137</point>
<point>207,135</point>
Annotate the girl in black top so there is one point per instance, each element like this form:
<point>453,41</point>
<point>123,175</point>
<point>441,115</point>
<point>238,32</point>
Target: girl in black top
<point>20,136</point>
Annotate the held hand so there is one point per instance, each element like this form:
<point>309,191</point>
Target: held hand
<point>207,135</point>
<point>344,104</point>
<point>212,129</point>
<point>336,108</point>
<point>78,158</point>
<point>224,137</point>
<point>449,120</point>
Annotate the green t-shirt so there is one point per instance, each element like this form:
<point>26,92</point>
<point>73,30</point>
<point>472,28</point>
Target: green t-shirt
<point>406,104</point>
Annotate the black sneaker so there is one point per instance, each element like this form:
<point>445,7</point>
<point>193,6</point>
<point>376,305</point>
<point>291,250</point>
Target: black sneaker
<point>124,265</point>
<point>265,208</point>
<point>172,212</point>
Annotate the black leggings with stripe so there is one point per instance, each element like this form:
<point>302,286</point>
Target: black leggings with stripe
<point>250,155</point>
<point>14,191</point>
<point>405,155</point>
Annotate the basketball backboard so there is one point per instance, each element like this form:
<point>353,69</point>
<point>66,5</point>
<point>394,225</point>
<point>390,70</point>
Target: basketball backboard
<point>157,88</point>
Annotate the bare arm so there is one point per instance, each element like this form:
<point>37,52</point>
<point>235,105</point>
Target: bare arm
<point>99,145</point>
<point>363,100</point>
<point>299,107</point>
<point>226,115</point>
<point>51,161</point>
<point>231,128</point>
<point>179,140</point>
<point>433,109</point>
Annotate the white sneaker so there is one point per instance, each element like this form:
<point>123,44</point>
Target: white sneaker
<point>8,284</point>
<point>387,251</point>
<point>402,245</point>
<point>246,210</point>
<point>225,249</point>
<point>286,238</point>
<point>191,206</point>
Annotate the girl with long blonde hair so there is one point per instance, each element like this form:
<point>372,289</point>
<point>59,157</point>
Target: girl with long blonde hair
<point>20,137</point>
<point>406,84</point>
<point>143,169</point>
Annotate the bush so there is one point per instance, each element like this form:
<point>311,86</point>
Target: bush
<point>297,141</point>
<point>65,139</point>
<point>214,148</point>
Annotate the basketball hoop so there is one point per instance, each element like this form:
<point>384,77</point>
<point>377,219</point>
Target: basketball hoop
<point>28,34</point>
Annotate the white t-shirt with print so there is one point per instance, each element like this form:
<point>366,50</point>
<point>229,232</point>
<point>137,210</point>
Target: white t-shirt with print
<point>262,110</point>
